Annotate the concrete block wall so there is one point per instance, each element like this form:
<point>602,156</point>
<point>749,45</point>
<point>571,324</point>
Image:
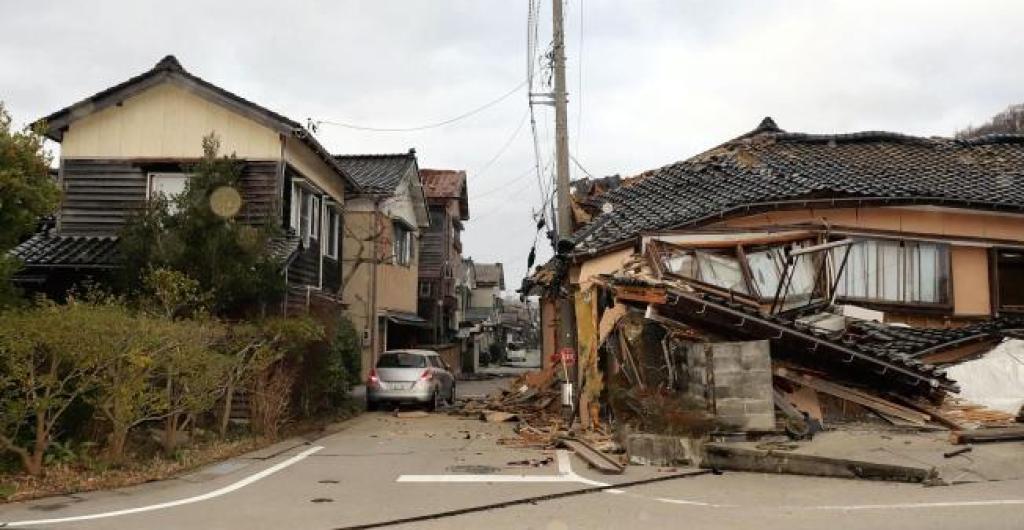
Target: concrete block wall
<point>734,379</point>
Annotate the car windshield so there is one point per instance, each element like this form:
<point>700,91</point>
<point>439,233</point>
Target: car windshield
<point>401,360</point>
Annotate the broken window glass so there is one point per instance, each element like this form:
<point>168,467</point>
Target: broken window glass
<point>768,266</point>
<point>721,271</point>
<point>894,272</point>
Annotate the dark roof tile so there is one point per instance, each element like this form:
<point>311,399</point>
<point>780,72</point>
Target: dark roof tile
<point>377,173</point>
<point>768,166</point>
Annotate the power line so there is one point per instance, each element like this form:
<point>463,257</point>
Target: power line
<point>521,176</point>
<point>475,175</point>
<point>498,208</point>
<point>583,169</point>
<point>462,116</point>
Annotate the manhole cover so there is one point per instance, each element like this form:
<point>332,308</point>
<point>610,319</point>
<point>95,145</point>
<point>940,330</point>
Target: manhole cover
<point>328,481</point>
<point>474,469</point>
<point>322,499</point>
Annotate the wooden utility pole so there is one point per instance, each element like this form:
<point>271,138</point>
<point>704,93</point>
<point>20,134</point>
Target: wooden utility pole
<point>566,320</point>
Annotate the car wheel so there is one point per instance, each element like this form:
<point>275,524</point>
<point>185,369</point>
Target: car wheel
<point>451,398</point>
<point>432,405</point>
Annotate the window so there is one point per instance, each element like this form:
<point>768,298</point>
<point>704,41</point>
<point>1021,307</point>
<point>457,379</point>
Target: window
<point>767,267</point>
<point>314,217</point>
<point>331,229</point>
<point>402,243</point>
<point>899,272</point>
<point>1010,278</point>
<point>401,360</point>
<point>167,185</point>
<point>305,213</point>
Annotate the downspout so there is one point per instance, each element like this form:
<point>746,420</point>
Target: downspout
<point>374,346</point>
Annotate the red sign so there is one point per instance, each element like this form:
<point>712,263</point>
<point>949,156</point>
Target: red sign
<point>567,355</point>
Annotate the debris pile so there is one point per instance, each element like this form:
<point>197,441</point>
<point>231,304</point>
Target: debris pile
<point>532,401</point>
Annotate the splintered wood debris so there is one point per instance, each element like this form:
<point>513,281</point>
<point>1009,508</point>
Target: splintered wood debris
<point>532,401</point>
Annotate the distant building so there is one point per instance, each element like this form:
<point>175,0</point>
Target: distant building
<point>441,250</point>
<point>380,259</point>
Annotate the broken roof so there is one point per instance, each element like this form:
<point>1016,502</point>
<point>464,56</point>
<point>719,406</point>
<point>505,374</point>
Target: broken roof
<point>447,184</point>
<point>169,69</point>
<point>768,167</point>
<point>379,173</point>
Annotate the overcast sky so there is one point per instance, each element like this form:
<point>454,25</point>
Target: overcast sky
<point>661,80</point>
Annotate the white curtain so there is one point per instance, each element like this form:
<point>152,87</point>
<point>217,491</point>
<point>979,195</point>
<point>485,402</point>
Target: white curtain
<point>887,271</point>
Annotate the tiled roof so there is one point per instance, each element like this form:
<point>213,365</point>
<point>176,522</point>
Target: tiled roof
<point>443,183</point>
<point>46,250</point>
<point>490,273</point>
<point>447,184</point>
<point>768,166</point>
<point>52,251</point>
<point>377,173</point>
<point>284,248</point>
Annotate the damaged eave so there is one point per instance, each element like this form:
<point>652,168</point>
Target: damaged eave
<point>734,319</point>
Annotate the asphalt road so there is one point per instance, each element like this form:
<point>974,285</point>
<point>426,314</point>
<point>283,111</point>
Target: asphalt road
<point>377,468</point>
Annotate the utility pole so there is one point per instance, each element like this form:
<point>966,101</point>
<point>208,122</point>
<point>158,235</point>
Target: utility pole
<point>566,320</point>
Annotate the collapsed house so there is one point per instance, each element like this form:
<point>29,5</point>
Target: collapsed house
<point>785,280</point>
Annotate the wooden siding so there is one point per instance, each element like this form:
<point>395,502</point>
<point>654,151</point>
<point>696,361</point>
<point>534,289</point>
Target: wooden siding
<point>259,191</point>
<point>305,269</point>
<point>100,195</point>
<point>434,243</point>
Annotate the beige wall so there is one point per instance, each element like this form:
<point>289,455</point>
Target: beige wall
<point>483,296</point>
<point>313,167</point>
<point>970,274</point>
<point>950,222</point>
<point>167,121</point>
<point>396,284</point>
<point>604,264</point>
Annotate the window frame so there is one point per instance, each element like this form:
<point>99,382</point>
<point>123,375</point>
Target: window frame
<point>1003,258</point>
<point>943,288</point>
<point>151,177</point>
<point>401,243</point>
<point>332,239</point>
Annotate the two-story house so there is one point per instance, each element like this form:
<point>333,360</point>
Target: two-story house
<point>441,250</point>
<point>380,259</point>
<point>485,305</point>
<point>139,137</point>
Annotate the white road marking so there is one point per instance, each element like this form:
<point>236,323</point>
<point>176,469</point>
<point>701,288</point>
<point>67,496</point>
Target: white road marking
<point>566,474</point>
<point>170,504</point>
<point>484,478</point>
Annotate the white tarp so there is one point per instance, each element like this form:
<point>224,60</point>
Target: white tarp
<point>995,380</point>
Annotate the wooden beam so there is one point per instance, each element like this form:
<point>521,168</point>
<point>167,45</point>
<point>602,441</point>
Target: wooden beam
<point>595,458</point>
<point>867,400</point>
<point>992,434</point>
